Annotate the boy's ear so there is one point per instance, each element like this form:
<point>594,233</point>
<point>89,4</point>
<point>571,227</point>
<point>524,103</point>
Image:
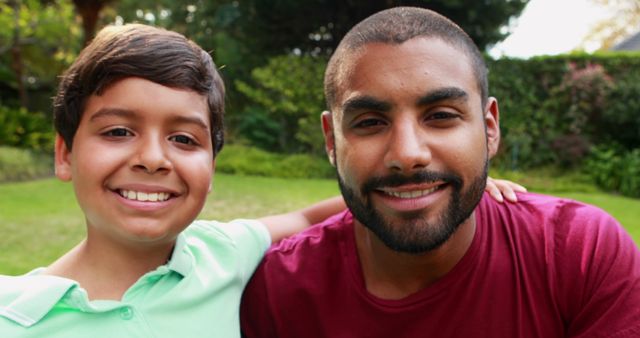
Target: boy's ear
<point>492,123</point>
<point>62,160</point>
<point>329,137</point>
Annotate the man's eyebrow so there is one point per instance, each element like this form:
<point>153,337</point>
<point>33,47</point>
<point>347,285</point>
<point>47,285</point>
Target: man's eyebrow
<point>365,103</point>
<point>442,94</point>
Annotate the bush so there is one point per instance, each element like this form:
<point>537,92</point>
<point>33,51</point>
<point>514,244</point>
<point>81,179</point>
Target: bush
<point>286,100</point>
<point>243,160</point>
<point>615,170</point>
<point>554,108</point>
<point>23,129</point>
<point>23,164</point>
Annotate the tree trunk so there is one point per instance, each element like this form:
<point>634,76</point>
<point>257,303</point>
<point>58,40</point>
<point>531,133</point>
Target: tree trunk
<point>17,64</point>
<point>89,11</point>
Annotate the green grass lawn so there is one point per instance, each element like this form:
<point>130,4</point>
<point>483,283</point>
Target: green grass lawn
<point>40,220</point>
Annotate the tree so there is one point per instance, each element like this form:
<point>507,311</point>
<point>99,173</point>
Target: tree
<point>262,45</point>
<point>623,21</point>
<point>37,44</point>
<point>89,11</point>
<point>318,25</point>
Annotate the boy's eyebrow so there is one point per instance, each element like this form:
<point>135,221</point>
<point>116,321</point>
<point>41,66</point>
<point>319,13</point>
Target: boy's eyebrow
<point>365,102</point>
<point>180,119</point>
<point>105,112</point>
<point>441,94</point>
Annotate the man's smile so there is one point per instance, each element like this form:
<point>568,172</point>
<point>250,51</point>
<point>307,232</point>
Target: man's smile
<point>409,192</point>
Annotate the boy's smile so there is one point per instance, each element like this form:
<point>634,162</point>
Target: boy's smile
<point>141,161</point>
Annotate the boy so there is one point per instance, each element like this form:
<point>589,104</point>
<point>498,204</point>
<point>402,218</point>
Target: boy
<point>139,122</point>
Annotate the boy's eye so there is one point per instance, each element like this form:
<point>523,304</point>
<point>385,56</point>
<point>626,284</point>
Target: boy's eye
<point>183,139</point>
<point>118,132</point>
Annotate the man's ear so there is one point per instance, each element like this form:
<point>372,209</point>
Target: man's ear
<point>62,160</point>
<point>492,123</point>
<point>329,138</point>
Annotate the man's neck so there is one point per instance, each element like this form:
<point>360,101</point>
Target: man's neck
<point>390,274</point>
<point>107,270</point>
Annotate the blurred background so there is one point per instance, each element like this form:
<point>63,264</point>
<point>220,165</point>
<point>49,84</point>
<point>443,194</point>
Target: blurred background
<point>566,74</point>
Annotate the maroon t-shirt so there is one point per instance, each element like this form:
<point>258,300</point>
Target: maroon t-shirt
<point>542,267</point>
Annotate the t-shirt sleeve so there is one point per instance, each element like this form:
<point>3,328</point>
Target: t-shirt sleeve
<point>247,239</point>
<point>252,240</point>
<point>602,273</point>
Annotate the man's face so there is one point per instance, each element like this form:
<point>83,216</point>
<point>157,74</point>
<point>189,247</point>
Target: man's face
<point>407,135</point>
<point>141,162</point>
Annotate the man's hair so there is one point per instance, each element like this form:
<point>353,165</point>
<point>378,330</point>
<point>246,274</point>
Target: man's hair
<point>395,26</point>
<point>155,54</point>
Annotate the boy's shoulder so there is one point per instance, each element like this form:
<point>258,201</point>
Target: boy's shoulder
<point>27,298</point>
<point>230,232</point>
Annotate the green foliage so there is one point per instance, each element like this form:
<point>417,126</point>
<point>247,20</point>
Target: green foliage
<point>247,35</point>
<point>243,160</point>
<point>23,164</point>
<point>41,38</point>
<point>288,91</point>
<point>24,129</point>
<point>616,170</point>
<point>554,108</point>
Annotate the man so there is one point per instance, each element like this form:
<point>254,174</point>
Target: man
<point>422,251</point>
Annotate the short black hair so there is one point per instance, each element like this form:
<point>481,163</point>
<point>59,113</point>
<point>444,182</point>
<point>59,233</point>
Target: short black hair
<point>134,50</point>
<point>395,26</point>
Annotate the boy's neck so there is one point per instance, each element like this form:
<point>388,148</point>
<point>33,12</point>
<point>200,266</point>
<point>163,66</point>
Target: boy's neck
<point>107,270</point>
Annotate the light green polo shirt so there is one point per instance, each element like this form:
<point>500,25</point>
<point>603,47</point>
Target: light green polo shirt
<point>196,294</point>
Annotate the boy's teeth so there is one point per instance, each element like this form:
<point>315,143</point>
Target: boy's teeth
<point>145,196</point>
<point>411,194</point>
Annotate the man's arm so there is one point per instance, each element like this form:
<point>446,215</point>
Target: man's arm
<point>287,224</point>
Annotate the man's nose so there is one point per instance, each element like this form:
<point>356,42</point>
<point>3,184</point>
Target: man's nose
<point>151,156</point>
<point>408,149</point>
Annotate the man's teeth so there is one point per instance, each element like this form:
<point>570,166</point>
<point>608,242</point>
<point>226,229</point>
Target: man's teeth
<point>145,196</point>
<point>411,194</point>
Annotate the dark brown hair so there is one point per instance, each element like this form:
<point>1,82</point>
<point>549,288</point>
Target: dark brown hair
<point>395,26</point>
<point>134,50</point>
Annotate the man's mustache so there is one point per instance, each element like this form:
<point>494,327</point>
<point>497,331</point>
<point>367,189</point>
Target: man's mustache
<point>395,180</point>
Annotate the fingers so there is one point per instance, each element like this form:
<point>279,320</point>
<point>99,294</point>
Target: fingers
<point>503,189</point>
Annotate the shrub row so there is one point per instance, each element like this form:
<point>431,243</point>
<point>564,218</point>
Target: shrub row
<point>555,108</point>
<point>243,160</point>
<point>23,129</point>
<point>24,164</point>
<point>616,170</point>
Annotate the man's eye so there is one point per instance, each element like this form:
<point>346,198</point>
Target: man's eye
<point>441,116</point>
<point>368,123</point>
<point>183,139</point>
<point>118,132</point>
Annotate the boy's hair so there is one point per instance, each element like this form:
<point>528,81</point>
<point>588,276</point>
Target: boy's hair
<point>395,26</point>
<point>135,50</point>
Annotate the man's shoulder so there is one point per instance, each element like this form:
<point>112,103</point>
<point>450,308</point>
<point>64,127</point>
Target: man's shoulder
<point>564,226</point>
<point>317,238</point>
<point>546,208</point>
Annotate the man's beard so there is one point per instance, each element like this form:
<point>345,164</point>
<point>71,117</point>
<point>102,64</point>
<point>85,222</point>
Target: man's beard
<point>415,235</point>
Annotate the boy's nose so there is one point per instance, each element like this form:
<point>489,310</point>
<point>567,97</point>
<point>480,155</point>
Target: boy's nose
<point>151,157</point>
<point>407,150</point>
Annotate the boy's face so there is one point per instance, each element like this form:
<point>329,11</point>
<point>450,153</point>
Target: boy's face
<point>141,162</point>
